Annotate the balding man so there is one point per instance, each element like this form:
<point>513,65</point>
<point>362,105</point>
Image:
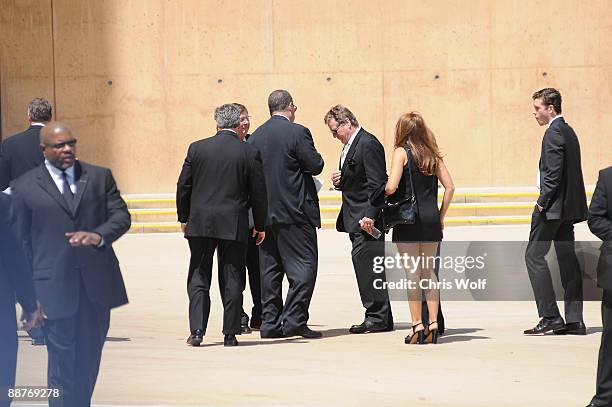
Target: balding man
<point>68,215</point>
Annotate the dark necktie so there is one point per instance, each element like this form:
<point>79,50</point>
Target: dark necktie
<point>67,192</point>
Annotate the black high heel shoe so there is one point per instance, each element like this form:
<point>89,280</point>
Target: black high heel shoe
<point>417,337</point>
<point>432,334</point>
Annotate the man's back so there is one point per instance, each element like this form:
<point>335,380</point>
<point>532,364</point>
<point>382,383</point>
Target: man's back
<point>565,193</point>
<point>220,178</point>
<point>289,162</point>
<point>19,154</point>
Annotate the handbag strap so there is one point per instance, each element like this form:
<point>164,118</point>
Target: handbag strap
<point>409,154</point>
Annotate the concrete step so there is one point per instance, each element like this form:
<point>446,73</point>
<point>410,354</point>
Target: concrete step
<point>156,213</point>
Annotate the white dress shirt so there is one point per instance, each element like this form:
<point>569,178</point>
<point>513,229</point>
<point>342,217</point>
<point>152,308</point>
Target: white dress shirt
<point>347,147</point>
<point>58,179</point>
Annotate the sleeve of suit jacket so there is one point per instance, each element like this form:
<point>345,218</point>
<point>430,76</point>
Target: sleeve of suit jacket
<point>118,218</point>
<point>14,260</point>
<point>183,189</point>
<point>553,154</point>
<point>4,169</point>
<point>258,196</point>
<point>309,158</point>
<point>376,175</point>
<point>600,221</point>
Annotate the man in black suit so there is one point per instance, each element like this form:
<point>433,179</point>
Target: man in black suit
<point>20,153</point>
<point>362,177</point>
<point>562,202</point>
<point>290,160</point>
<point>600,223</point>
<point>68,215</point>
<point>15,279</point>
<point>221,178</point>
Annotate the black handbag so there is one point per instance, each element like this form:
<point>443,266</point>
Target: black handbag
<point>404,211</point>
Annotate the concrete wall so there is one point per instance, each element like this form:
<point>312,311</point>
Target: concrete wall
<point>171,62</point>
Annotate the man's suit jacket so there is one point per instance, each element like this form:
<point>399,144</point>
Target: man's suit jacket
<point>290,159</point>
<point>363,181</point>
<point>600,223</point>
<point>562,192</point>
<point>15,277</point>
<point>19,154</point>
<point>221,178</point>
<point>43,218</point>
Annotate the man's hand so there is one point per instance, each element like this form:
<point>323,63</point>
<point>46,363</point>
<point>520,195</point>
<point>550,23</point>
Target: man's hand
<point>31,320</point>
<point>367,224</point>
<point>260,236</point>
<point>336,176</point>
<point>82,238</point>
<point>183,227</point>
<point>540,208</point>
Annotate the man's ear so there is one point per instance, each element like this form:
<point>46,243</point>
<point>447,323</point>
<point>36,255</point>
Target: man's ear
<point>42,148</point>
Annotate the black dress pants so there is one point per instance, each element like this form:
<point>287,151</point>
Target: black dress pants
<point>230,259</point>
<point>603,395</point>
<point>289,250</point>
<point>375,301</point>
<point>544,231</point>
<point>74,348</point>
<point>8,350</point>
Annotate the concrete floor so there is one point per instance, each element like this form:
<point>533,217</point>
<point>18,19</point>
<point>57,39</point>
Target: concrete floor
<point>483,360</point>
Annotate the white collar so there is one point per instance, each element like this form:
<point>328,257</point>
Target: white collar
<point>553,119</point>
<point>57,173</point>
<point>37,124</point>
<point>353,136</point>
<point>281,115</point>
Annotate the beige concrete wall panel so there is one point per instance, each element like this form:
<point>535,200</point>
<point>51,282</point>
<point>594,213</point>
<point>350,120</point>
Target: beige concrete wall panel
<point>105,38</point>
<point>436,35</point>
<point>341,36</point>
<point>530,34</point>
<point>218,37</point>
<point>312,93</point>
<point>605,126</point>
<point>456,107</point>
<point>26,59</point>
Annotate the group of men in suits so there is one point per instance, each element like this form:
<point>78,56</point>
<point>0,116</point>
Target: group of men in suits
<point>59,218</point>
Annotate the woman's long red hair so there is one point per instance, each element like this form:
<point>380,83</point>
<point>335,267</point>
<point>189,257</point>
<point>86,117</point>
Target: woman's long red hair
<point>411,130</point>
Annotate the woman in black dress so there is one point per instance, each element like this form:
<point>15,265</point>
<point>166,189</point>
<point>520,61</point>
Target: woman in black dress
<point>416,153</point>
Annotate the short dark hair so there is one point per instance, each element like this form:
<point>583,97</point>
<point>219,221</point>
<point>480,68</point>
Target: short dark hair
<point>279,100</point>
<point>40,110</point>
<point>341,114</point>
<point>550,97</point>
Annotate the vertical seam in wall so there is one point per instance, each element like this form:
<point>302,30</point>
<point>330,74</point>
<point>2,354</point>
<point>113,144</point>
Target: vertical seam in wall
<point>53,58</point>
<point>491,138</point>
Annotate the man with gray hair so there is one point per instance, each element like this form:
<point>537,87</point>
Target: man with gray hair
<point>290,160</point>
<point>221,178</point>
<point>20,153</point>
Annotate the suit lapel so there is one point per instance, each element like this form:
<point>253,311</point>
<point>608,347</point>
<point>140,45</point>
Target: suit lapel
<point>48,185</point>
<point>351,152</point>
<point>81,177</point>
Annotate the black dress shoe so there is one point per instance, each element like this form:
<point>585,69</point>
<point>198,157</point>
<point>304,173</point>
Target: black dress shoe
<point>305,332</point>
<point>574,328</point>
<point>230,340</point>
<point>368,326</point>
<point>271,335</point>
<point>196,337</point>
<point>546,325</point>
<point>255,323</point>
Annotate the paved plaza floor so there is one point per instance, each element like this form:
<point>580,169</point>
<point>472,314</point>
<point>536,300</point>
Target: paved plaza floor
<point>482,360</point>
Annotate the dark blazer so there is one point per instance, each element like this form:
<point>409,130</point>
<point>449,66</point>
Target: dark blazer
<point>43,218</point>
<point>562,192</point>
<point>221,178</point>
<point>15,276</point>
<point>600,223</point>
<point>290,159</point>
<point>363,181</point>
<point>19,154</point>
